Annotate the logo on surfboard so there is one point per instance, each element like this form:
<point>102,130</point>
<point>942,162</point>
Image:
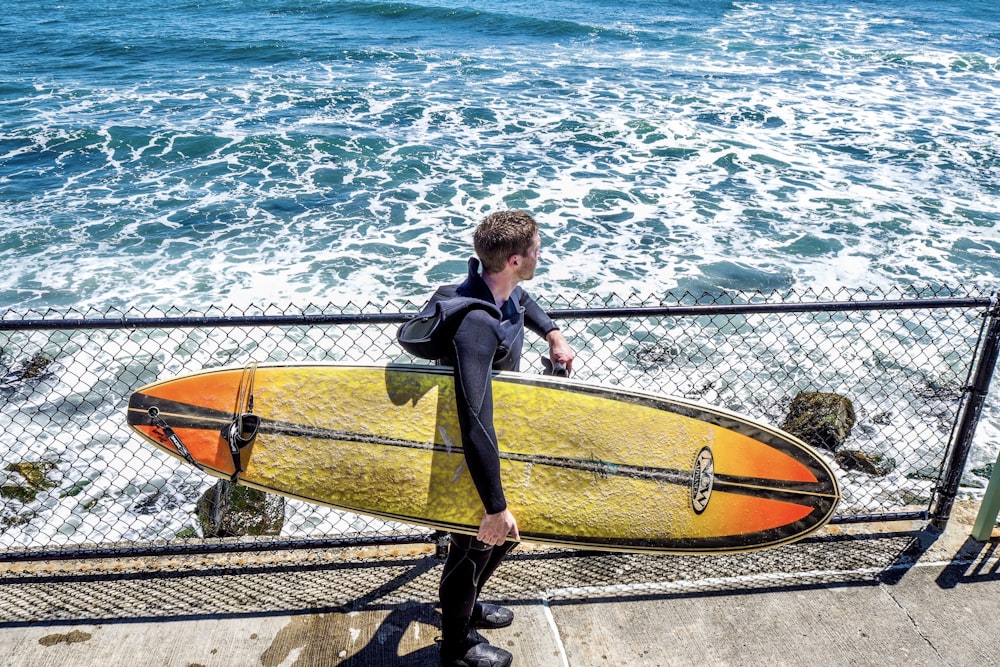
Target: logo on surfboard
<point>701,480</point>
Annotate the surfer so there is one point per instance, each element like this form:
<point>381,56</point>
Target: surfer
<point>488,338</point>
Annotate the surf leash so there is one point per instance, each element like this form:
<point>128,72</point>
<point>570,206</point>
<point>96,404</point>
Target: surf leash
<point>171,435</point>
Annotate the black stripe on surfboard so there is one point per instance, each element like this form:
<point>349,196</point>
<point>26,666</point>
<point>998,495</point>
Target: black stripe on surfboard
<point>756,486</point>
<point>667,545</point>
<point>181,415</point>
<point>186,416</point>
<point>773,438</point>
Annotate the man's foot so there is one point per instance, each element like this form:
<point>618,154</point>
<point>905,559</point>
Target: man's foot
<point>490,616</point>
<point>478,655</point>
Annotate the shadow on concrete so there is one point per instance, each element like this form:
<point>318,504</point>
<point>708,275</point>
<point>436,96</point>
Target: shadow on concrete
<point>856,559</point>
<point>975,562</point>
<point>305,585</point>
<point>143,594</point>
<point>386,646</point>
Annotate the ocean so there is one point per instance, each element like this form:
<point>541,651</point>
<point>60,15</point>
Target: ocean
<point>258,151</point>
<point>208,153</point>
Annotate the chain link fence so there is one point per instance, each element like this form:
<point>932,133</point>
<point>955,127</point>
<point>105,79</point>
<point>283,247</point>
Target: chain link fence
<point>75,482</point>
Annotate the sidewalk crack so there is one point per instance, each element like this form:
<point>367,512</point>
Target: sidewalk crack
<point>942,659</point>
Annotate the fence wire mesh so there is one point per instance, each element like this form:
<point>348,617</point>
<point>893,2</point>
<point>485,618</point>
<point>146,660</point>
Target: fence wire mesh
<point>73,480</point>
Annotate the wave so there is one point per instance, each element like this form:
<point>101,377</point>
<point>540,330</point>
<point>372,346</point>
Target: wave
<point>914,58</point>
<point>663,162</point>
<point>412,17</point>
<point>291,32</point>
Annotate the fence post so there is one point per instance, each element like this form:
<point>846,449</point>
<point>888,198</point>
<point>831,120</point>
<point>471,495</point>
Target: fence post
<point>969,419</point>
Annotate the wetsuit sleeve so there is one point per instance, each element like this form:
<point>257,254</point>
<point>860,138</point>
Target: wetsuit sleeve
<point>475,342</point>
<point>535,318</point>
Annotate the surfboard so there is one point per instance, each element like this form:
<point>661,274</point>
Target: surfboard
<point>583,465</point>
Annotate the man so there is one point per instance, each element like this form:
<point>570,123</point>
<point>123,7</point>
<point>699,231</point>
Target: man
<point>488,335</point>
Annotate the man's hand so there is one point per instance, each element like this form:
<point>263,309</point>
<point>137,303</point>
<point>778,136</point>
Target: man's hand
<point>494,528</point>
<point>560,351</point>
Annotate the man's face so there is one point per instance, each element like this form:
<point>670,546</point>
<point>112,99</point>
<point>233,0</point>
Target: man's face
<point>528,262</point>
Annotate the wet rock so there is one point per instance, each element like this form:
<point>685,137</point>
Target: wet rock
<point>924,475</point>
<point>23,494</point>
<point>876,465</point>
<point>10,520</point>
<point>34,472</point>
<point>37,366</point>
<point>33,480</point>
<point>231,510</point>
<point>34,368</point>
<point>986,472</point>
<point>821,419</point>
<point>916,497</point>
<point>35,476</point>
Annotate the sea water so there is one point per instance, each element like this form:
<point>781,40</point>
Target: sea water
<point>203,153</point>
<point>235,151</point>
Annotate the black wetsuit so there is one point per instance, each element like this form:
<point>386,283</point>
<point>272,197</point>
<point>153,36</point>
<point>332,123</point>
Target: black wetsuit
<point>481,344</point>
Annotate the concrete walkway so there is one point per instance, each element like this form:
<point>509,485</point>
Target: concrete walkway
<point>887,595</point>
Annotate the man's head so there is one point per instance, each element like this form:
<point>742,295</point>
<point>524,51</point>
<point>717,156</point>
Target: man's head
<point>504,235</point>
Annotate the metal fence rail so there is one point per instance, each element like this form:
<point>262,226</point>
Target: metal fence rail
<point>916,365</point>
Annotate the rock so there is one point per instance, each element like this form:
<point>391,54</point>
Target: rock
<point>821,419</point>
<point>231,510</point>
<point>876,465</point>
<point>8,520</point>
<point>34,472</point>
<point>37,366</point>
<point>986,472</point>
<point>23,494</point>
<point>35,475</point>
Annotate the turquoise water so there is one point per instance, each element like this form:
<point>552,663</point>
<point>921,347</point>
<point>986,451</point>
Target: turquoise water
<point>258,151</point>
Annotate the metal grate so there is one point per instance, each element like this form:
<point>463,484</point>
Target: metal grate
<point>74,482</point>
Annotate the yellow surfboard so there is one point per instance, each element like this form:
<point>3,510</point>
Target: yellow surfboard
<point>582,465</point>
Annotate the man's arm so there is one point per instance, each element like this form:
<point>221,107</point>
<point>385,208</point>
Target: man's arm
<point>537,320</point>
<point>474,344</point>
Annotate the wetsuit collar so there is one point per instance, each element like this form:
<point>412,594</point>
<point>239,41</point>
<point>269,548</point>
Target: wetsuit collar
<point>474,284</point>
<point>475,287</point>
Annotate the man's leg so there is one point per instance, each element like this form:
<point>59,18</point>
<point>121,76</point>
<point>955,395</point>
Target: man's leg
<point>469,565</point>
<point>492,616</point>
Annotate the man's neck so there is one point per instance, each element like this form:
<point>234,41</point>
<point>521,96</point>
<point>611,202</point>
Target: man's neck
<point>501,285</point>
